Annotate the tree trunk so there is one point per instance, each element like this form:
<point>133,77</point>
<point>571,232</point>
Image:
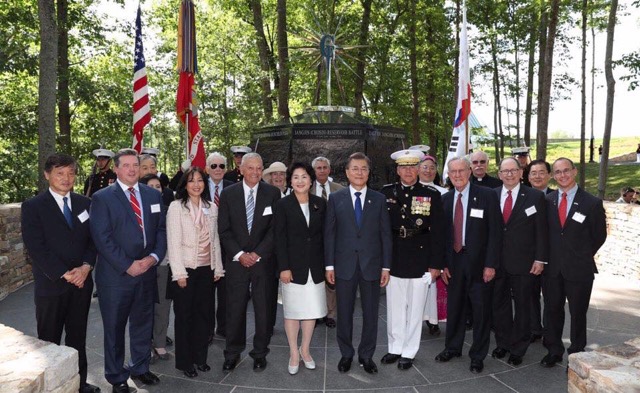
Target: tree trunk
<point>544,98</point>
<point>611,89</point>
<point>413,56</point>
<point>593,89</point>
<point>533,37</point>
<point>583,93</point>
<point>498,105</point>
<point>46,87</point>
<point>64,113</point>
<point>283,62</point>
<point>263,53</point>
<point>517,66</point>
<point>362,54</point>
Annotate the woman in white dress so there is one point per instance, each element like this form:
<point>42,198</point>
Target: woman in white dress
<point>299,222</point>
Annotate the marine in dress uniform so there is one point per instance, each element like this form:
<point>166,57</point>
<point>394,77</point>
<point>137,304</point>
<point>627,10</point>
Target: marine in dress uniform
<point>104,176</point>
<point>152,151</point>
<point>417,222</point>
<point>238,152</point>
<point>522,155</point>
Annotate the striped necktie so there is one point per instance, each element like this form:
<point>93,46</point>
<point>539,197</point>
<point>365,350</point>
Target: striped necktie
<point>251,206</point>
<point>135,205</point>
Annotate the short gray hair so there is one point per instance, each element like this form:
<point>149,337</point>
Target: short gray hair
<point>485,155</point>
<point>463,159</point>
<point>146,157</point>
<point>320,158</point>
<point>216,154</point>
<point>251,156</point>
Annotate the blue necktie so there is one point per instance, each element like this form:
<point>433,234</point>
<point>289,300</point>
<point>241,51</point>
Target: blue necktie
<point>250,209</point>
<point>67,212</point>
<point>358,209</point>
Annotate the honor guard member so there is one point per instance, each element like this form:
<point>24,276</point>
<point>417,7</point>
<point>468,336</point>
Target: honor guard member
<point>152,151</point>
<point>522,155</point>
<point>101,175</point>
<point>417,222</point>
<point>238,152</point>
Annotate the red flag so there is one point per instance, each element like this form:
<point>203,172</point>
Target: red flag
<point>187,107</point>
<point>141,108</point>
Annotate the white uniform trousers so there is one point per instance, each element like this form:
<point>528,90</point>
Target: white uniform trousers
<point>431,305</point>
<point>405,306</point>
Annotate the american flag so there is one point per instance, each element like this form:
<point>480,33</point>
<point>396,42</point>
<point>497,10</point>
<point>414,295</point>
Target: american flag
<point>141,108</point>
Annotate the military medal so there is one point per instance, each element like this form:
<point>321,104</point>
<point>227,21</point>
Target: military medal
<point>421,206</point>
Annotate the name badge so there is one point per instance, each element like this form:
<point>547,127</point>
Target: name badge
<point>84,216</point>
<point>530,211</point>
<point>477,213</point>
<point>155,208</point>
<point>267,211</point>
<point>205,211</point>
<point>579,217</point>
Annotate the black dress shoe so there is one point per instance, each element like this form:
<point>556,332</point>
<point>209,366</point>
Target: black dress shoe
<point>345,364</point>
<point>331,323</point>
<point>476,366</point>
<point>405,363</point>
<point>120,388</point>
<point>468,325</point>
<point>499,353</point>
<point>203,367</point>
<point>368,365</point>
<point>514,360</point>
<point>88,388</point>
<point>535,337</point>
<point>434,330</point>
<point>259,364</point>
<point>550,360</point>
<point>229,364</point>
<point>169,341</point>
<point>389,358</point>
<point>447,355</point>
<point>190,373</point>
<point>147,378</point>
<point>320,321</point>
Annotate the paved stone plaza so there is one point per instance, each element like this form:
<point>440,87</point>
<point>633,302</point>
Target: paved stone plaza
<point>614,317</point>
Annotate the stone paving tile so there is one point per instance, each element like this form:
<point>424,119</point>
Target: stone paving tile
<point>475,384</point>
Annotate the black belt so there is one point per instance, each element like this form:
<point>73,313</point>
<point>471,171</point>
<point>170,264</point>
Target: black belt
<point>404,233</point>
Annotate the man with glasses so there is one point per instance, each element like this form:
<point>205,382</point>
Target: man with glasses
<point>235,176</point>
<point>480,162</point>
<point>577,229</point>
<point>357,251</point>
<point>473,234</point>
<point>525,251</point>
<point>216,168</point>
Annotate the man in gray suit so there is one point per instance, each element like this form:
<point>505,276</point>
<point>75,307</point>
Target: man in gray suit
<point>358,244</point>
<point>323,187</point>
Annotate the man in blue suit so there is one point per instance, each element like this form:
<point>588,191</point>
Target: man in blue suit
<point>358,248</point>
<point>128,229</point>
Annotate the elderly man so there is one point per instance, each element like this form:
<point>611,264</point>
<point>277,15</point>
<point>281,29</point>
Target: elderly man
<point>148,165</point>
<point>102,176</point>
<point>577,229</point>
<point>473,232</point>
<point>55,229</point>
<point>323,187</point>
<point>525,251</point>
<point>154,152</point>
<point>418,255</point>
<point>245,222</point>
<point>129,230</point>
<point>216,168</point>
<point>480,163</point>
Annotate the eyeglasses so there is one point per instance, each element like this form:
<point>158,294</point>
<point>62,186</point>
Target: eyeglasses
<point>565,171</point>
<point>476,162</point>
<point>214,166</point>
<point>538,173</point>
<point>509,171</point>
<point>358,169</point>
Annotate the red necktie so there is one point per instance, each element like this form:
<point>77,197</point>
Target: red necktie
<point>508,207</point>
<point>135,206</point>
<point>562,209</point>
<point>458,221</point>
<point>216,197</point>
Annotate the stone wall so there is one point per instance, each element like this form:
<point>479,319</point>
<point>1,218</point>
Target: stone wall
<point>620,254</point>
<point>15,271</point>
<point>31,365</point>
<point>615,368</point>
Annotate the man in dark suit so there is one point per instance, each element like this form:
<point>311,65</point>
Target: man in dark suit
<point>473,233</point>
<point>246,233</point>
<point>358,249</point>
<point>216,168</point>
<point>539,176</point>
<point>525,251</point>
<point>55,230</point>
<point>323,187</point>
<point>128,228</point>
<point>480,177</point>
<point>577,229</point>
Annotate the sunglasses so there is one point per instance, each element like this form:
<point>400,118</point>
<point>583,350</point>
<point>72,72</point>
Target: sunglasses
<point>476,162</point>
<point>214,166</point>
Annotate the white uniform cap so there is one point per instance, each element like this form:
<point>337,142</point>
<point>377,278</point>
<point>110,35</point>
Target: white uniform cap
<point>103,153</point>
<point>407,157</point>
<point>151,151</point>
<point>240,149</point>
<point>423,148</point>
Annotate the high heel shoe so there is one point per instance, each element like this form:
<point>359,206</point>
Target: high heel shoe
<point>293,370</point>
<point>311,364</point>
